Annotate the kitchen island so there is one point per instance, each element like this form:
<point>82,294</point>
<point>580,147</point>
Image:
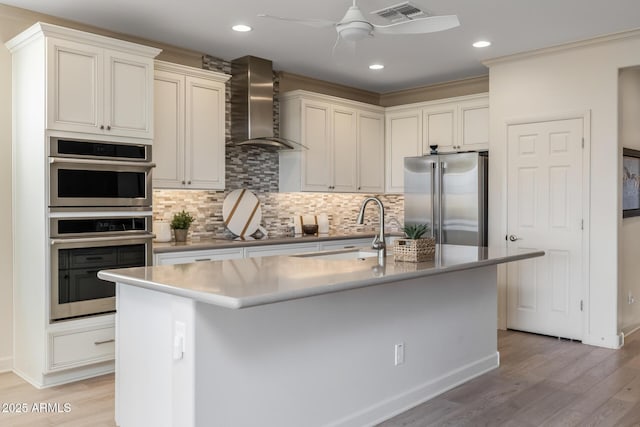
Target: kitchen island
<point>302,340</point>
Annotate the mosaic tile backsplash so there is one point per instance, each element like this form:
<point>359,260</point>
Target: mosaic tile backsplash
<point>278,209</point>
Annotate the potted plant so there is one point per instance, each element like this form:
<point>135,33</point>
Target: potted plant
<point>414,248</point>
<point>180,224</point>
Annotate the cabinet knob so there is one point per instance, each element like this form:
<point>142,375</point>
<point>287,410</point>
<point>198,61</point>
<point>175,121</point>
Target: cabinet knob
<point>359,188</point>
<point>183,182</point>
<point>108,127</point>
<point>189,182</point>
<point>101,127</point>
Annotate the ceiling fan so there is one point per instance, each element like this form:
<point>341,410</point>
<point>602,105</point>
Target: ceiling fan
<point>354,26</point>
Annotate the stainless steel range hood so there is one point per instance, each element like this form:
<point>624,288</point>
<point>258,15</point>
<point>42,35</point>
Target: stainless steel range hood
<point>252,105</point>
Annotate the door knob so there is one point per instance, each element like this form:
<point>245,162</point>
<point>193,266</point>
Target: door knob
<point>513,238</point>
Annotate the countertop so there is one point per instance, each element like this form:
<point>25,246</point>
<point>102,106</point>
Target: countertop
<point>224,243</point>
<point>241,283</point>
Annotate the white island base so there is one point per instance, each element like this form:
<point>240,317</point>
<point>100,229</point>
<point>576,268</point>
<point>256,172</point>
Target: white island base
<point>323,360</point>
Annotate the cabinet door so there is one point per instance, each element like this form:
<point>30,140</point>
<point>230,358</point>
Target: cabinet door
<point>168,141</point>
<point>439,128</point>
<point>315,136</point>
<point>128,95</point>
<point>186,257</point>
<point>370,157</point>
<point>272,250</point>
<point>474,124</point>
<point>344,149</point>
<point>204,130</point>
<point>74,86</point>
<point>403,139</point>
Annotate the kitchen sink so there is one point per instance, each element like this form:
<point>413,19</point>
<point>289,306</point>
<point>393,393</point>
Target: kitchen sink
<point>355,253</point>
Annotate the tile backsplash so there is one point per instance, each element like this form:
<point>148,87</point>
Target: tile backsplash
<point>278,209</point>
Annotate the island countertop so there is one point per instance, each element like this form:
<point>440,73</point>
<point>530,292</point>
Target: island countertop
<point>241,283</point>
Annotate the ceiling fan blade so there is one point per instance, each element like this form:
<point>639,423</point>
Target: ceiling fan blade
<point>317,23</point>
<point>430,24</point>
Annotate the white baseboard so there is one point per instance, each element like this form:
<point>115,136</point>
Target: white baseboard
<point>6,364</point>
<point>609,341</point>
<point>402,402</point>
<point>630,329</point>
<point>68,376</point>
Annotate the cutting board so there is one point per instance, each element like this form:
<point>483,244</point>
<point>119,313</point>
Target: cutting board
<point>241,212</point>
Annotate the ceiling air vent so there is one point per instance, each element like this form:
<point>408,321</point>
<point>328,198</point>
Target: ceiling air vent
<point>399,12</point>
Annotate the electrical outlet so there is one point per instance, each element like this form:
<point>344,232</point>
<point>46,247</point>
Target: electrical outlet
<point>399,352</point>
<point>631,299</point>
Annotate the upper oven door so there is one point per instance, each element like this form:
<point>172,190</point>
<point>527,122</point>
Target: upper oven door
<point>99,183</point>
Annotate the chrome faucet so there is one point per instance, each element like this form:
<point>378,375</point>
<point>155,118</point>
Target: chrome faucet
<point>378,241</point>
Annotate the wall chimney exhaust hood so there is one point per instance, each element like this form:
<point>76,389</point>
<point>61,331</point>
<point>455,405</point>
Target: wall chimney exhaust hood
<point>252,105</point>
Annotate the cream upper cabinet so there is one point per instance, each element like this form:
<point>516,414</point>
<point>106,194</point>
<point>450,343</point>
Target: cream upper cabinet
<point>344,143</point>
<point>344,149</point>
<point>189,144</point>
<point>97,90</point>
<point>439,127</point>
<point>370,155</point>
<point>473,124</point>
<point>403,139</point>
<point>316,175</point>
<point>453,124</point>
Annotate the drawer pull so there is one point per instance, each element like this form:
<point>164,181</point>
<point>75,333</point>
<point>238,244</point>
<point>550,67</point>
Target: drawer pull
<point>203,259</point>
<point>349,247</point>
<point>104,342</point>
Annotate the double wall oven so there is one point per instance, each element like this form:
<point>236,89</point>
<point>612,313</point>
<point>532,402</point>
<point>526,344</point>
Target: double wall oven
<point>100,216</point>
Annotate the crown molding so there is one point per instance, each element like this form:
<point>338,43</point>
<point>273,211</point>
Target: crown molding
<point>563,47</point>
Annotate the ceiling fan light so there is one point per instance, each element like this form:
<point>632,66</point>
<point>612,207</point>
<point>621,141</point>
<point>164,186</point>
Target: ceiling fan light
<point>241,28</point>
<point>482,43</point>
<point>354,31</point>
<point>376,67</point>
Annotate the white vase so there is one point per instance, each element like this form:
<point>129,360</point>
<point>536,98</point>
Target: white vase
<point>162,230</point>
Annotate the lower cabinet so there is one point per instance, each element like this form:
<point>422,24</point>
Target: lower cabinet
<point>81,343</point>
<point>271,250</point>
<point>186,257</point>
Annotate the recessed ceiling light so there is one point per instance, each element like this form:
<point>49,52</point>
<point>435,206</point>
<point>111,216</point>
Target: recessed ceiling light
<point>376,67</point>
<point>241,28</point>
<point>482,43</point>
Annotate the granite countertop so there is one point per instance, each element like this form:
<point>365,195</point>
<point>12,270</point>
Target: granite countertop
<point>241,283</point>
<point>224,243</point>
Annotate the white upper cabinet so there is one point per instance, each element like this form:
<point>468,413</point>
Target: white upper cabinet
<point>403,139</point>
<point>98,90</point>
<point>344,143</point>
<point>189,144</point>
<point>370,155</point>
<point>454,125</point>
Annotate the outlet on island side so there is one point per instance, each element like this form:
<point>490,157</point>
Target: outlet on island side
<point>399,354</point>
<point>630,298</point>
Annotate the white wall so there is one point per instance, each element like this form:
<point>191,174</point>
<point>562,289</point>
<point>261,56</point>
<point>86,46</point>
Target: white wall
<point>629,314</point>
<point>6,294</point>
<point>583,77</point>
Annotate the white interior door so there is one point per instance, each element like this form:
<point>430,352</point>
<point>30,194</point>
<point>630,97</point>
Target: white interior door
<point>544,208</point>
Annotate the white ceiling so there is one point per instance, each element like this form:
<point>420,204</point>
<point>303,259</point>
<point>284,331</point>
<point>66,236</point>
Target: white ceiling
<point>410,60</point>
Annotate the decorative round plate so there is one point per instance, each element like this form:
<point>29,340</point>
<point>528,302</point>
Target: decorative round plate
<point>241,212</point>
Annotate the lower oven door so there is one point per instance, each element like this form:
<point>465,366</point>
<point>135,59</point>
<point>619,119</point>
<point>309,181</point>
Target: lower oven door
<point>76,289</point>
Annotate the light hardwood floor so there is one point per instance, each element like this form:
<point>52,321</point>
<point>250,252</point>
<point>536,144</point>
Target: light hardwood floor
<point>541,382</point>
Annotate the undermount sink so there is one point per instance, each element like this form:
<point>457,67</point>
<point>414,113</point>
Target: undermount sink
<point>356,253</point>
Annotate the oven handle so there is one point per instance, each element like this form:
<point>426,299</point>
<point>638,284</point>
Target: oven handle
<point>145,236</point>
<point>146,165</point>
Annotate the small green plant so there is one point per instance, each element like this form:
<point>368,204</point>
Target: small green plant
<point>415,231</point>
<point>182,221</point>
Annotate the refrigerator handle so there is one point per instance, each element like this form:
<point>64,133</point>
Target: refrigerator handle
<point>440,190</point>
<point>433,199</point>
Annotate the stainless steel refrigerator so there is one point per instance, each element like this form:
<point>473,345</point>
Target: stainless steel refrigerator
<point>449,193</point>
